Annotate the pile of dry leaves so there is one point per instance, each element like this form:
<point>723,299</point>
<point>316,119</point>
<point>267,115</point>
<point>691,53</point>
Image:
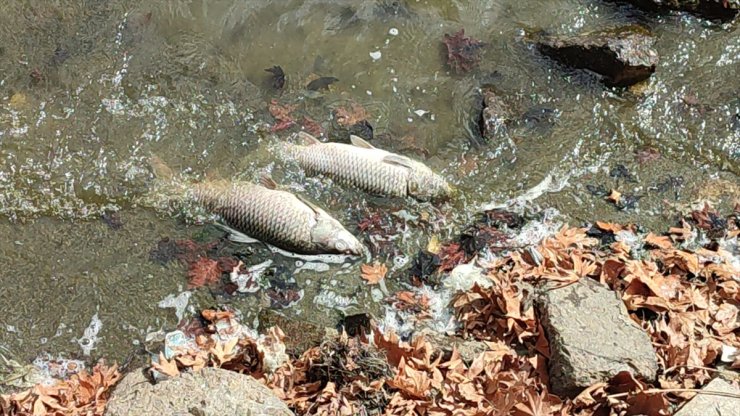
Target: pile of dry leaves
<point>82,394</point>
<point>681,287</point>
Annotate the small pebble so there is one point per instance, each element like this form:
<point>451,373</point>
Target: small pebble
<point>376,55</point>
<point>393,31</point>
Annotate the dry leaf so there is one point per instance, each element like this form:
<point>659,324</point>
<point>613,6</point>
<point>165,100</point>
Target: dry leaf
<point>615,196</point>
<point>373,274</point>
<point>165,367</point>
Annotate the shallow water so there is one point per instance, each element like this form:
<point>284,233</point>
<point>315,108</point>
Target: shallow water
<point>90,89</point>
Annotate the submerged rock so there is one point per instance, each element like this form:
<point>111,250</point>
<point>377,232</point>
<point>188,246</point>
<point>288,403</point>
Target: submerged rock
<point>496,117</point>
<point>592,338</point>
<point>209,392</point>
<point>301,334</point>
<point>623,56</point>
<point>713,404</point>
<point>712,9</point>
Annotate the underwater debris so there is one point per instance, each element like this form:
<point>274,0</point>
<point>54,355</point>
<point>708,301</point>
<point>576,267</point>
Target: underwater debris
<point>424,269</point>
<point>277,80</point>
<point>463,53</point>
<point>282,114</point>
<point>321,83</point>
<point>112,219</point>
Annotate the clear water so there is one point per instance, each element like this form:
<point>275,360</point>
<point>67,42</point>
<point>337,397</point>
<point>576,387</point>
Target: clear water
<point>90,89</point>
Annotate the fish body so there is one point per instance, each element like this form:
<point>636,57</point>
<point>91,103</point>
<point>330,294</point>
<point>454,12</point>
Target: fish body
<point>370,169</point>
<point>276,217</point>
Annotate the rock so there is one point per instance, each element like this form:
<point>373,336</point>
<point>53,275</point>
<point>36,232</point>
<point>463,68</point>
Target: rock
<point>711,9</point>
<point>356,324</point>
<point>592,338</point>
<point>496,116</point>
<point>209,392</point>
<point>707,404</point>
<point>300,334</point>
<point>623,56</point>
<point>469,349</point>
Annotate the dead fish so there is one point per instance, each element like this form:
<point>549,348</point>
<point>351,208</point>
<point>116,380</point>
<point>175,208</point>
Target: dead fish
<point>276,217</point>
<point>253,212</point>
<point>321,83</point>
<point>368,168</point>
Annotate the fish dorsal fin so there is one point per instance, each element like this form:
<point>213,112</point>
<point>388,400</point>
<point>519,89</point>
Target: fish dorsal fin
<point>310,204</point>
<point>308,139</point>
<point>399,161</point>
<point>267,181</point>
<point>360,142</point>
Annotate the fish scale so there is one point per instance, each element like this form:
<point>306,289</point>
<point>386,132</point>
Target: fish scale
<point>275,217</point>
<point>364,169</point>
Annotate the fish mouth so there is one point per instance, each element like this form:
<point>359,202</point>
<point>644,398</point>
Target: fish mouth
<point>357,250</point>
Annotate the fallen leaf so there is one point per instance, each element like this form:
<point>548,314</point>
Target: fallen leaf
<point>373,274</point>
<point>615,196</point>
<point>463,53</point>
<point>282,114</point>
<point>203,272</point>
<point>349,117</point>
<point>166,367</point>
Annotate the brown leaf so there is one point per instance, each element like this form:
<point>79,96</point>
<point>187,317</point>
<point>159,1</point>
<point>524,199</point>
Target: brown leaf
<point>615,196</point>
<point>203,272</point>
<point>373,274</point>
<point>282,114</point>
<point>463,53</point>
<point>663,242</point>
<point>608,226</point>
<point>349,117</point>
<point>165,367</point>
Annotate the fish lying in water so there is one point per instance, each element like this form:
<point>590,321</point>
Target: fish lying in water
<point>263,213</point>
<point>368,168</point>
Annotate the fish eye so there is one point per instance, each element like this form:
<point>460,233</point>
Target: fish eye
<point>341,245</point>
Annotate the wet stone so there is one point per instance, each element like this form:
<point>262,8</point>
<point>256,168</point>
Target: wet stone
<point>712,404</point>
<point>357,324</point>
<point>209,392</point>
<point>496,116</point>
<point>623,56</point>
<point>712,9</point>
<point>592,338</point>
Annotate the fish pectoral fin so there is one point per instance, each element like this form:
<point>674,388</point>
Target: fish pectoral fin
<point>399,160</point>
<point>360,142</point>
<point>310,204</point>
<point>237,236</point>
<point>267,181</point>
<point>307,139</point>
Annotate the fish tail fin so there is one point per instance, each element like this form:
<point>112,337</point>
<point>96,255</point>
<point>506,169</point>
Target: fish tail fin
<point>165,188</point>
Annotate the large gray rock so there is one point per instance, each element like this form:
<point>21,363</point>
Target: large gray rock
<point>712,404</point>
<point>623,56</point>
<point>712,9</point>
<point>592,337</point>
<point>209,392</point>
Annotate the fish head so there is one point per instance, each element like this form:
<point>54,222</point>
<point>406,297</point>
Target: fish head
<point>427,185</point>
<point>332,237</point>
